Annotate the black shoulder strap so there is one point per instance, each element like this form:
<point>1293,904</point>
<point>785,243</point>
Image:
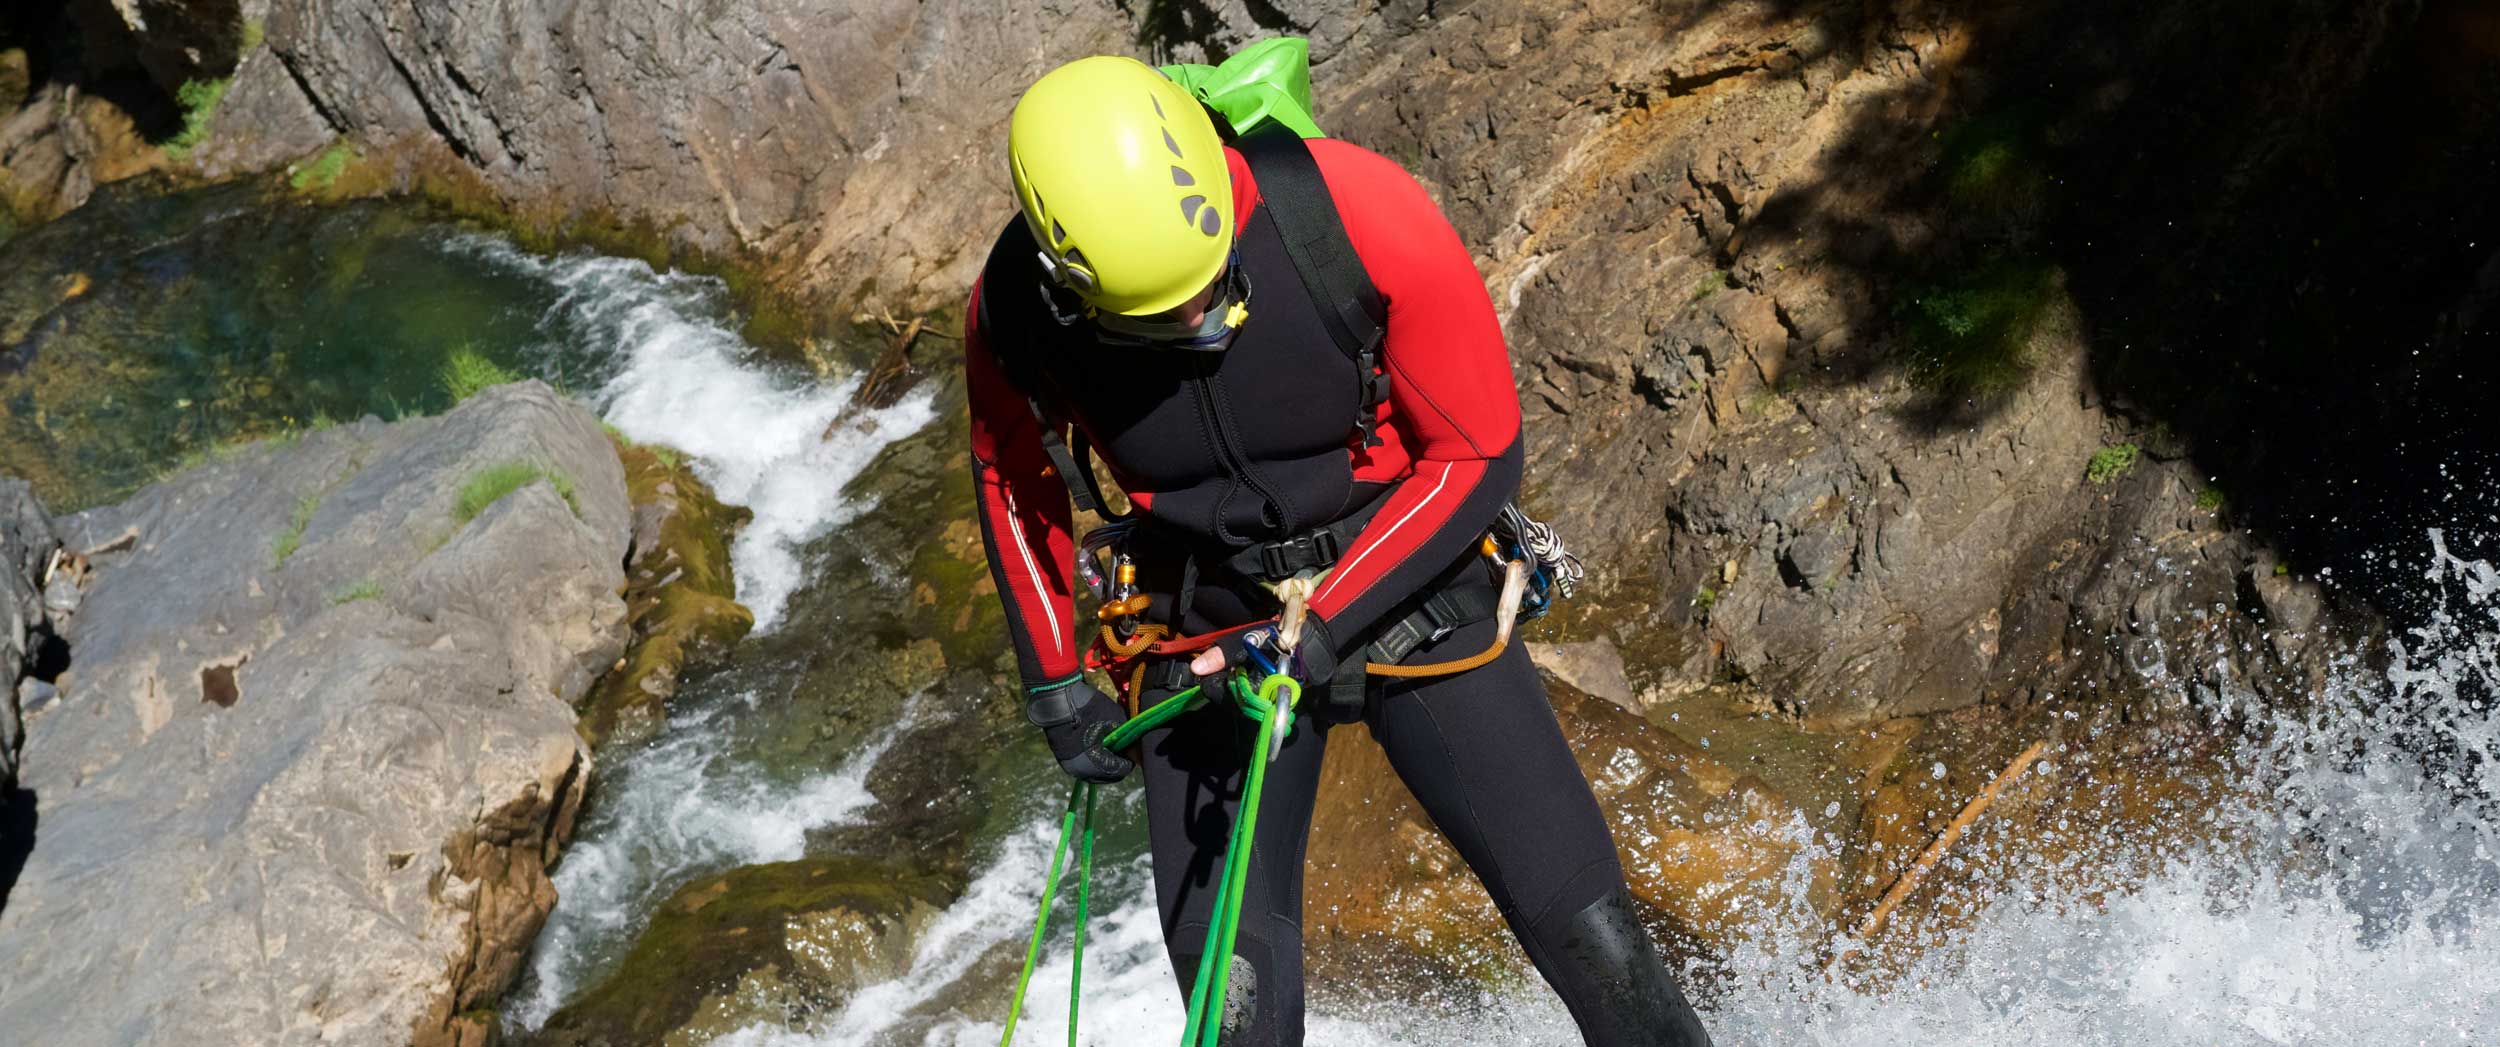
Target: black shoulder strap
<point>1075,464</point>
<point>1295,195</point>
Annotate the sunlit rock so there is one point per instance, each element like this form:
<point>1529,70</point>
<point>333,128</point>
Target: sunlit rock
<point>314,753</point>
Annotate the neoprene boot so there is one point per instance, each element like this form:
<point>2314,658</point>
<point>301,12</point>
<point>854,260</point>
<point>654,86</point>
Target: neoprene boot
<point>1625,997</point>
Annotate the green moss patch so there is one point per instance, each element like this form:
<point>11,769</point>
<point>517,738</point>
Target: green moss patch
<point>1996,162</point>
<point>2110,463</point>
<point>1970,333</point>
<point>198,99</point>
<point>292,538</point>
<point>323,171</point>
<point>466,372</point>
<point>488,486</point>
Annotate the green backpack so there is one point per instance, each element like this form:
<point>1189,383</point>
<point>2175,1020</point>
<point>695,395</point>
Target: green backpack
<point>1270,81</point>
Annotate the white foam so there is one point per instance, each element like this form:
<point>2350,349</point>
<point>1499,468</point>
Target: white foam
<point>681,809</point>
<point>672,371</point>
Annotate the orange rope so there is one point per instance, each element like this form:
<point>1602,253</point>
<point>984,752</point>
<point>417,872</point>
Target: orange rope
<point>1458,665</point>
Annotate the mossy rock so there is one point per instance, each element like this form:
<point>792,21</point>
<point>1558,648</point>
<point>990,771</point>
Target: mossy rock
<point>774,943</point>
<point>680,597</point>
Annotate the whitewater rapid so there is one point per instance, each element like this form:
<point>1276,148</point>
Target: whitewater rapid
<point>657,355</point>
<point>2359,902</point>
<point>667,367</point>
<point>2359,905</point>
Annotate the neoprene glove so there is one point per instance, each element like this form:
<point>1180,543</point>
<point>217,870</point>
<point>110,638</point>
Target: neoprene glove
<point>1074,718</point>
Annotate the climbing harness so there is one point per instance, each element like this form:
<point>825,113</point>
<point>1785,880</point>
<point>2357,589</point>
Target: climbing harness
<point>1534,563</point>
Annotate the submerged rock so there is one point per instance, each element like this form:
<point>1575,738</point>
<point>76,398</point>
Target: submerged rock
<point>315,749</point>
<point>766,945</point>
<point>2101,809</point>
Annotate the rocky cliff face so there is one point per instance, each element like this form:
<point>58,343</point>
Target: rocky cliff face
<point>1804,298</point>
<point>1889,357</point>
<point>313,753</point>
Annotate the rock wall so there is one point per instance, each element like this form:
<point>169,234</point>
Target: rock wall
<point>1834,315</point>
<point>314,751</point>
<point>1715,232</point>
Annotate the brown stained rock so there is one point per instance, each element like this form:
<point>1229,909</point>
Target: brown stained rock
<point>497,873</point>
<point>218,685</point>
<point>2087,819</point>
<point>1703,847</point>
<point>681,600</point>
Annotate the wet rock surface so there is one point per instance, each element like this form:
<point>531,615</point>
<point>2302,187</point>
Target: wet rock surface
<point>1705,847</point>
<point>680,599</point>
<point>315,752</point>
<point>765,945</point>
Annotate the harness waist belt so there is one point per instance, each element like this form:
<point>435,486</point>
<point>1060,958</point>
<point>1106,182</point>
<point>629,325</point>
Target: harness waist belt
<point>1440,613</point>
<point>1308,551</point>
<point>1436,617</point>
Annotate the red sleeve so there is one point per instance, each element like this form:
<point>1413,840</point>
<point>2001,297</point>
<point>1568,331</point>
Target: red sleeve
<point>1451,397</point>
<point>1025,516</point>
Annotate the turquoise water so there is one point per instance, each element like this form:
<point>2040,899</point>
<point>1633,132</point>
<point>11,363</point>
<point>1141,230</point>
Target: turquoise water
<point>145,330</point>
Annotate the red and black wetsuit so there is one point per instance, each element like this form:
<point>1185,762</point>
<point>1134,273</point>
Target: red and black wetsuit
<point>1224,450</point>
<point>1257,443</point>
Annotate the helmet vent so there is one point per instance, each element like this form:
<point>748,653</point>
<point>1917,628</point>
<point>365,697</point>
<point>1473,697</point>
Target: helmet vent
<point>1181,177</point>
<point>1158,104</point>
<point>1058,233</point>
<point>1175,147</point>
<point>1189,208</point>
<point>1209,222</point>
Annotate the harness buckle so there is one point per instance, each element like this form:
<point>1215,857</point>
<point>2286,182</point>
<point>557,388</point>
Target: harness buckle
<point>1286,557</point>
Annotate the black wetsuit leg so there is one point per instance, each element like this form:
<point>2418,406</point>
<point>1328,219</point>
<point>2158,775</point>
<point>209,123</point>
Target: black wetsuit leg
<point>1194,770</point>
<point>1483,754</point>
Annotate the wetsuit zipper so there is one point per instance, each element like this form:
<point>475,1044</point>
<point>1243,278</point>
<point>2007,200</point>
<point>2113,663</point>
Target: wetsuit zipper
<point>1237,468</point>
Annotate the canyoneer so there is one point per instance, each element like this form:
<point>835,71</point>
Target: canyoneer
<point>1285,358</point>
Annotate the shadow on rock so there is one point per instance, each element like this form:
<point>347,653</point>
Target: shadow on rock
<point>17,839</point>
<point>2270,225</point>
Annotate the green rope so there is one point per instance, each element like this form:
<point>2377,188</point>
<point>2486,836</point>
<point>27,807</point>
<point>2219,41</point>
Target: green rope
<point>1271,704</point>
<point>1273,701</point>
<point>1050,886</point>
<point>1084,894</point>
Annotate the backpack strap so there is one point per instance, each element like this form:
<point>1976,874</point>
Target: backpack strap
<point>1073,462</point>
<point>1297,199</point>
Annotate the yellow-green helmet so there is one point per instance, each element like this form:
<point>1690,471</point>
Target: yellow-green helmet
<point>1123,182</point>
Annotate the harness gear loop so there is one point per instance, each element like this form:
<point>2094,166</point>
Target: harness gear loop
<point>1505,614</point>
